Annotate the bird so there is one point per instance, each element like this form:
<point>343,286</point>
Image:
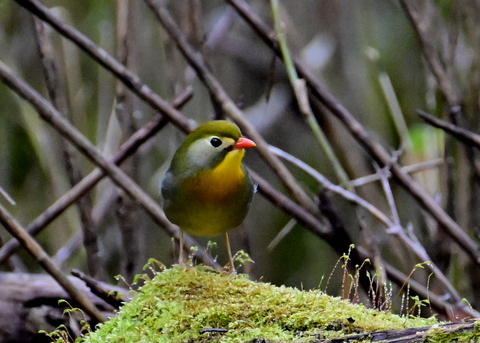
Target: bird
<point>207,191</point>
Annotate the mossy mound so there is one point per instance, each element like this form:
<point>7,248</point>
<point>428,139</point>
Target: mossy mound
<point>181,305</point>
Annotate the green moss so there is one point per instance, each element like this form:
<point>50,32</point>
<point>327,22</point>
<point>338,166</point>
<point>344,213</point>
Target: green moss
<point>178,303</point>
<point>439,334</point>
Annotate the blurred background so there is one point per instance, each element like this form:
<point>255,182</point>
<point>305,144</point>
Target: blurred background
<point>366,53</point>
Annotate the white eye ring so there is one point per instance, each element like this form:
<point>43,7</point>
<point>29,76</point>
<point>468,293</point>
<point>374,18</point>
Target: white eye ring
<point>215,142</point>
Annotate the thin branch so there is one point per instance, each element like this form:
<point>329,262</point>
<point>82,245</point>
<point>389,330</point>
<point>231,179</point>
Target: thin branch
<point>70,159</point>
<point>111,297</point>
<point>301,95</point>
<point>126,211</point>
<point>458,132</point>
<point>413,244</point>
<point>47,264</point>
<point>468,138</point>
<point>443,81</point>
<point>411,169</point>
<point>352,197</point>
<point>7,196</point>
<point>281,201</point>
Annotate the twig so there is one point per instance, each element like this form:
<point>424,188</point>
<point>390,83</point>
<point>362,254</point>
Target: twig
<point>301,95</point>
<point>126,210</point>
<point>412,242</point>
<point>7,196</point>
<point>411,169</point>
<point>437,302</point>
<point>285,204</point>
<point>465,136</point>
<point>52,117</point>
<point>47,264</point>
<point>110,297</point>
<point>376,151</point>
<point>352,197</point>
<point>70,159</point>
<point>441,76</point>
<point>460,133</point>
<point>395,110</point>
<point>281,234</point>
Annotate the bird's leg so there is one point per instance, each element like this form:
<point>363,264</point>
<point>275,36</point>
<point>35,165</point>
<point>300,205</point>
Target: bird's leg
<point>229,251</point>
<point>181,262</point>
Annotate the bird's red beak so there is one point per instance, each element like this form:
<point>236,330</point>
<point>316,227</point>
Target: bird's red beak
<point>243,143</point>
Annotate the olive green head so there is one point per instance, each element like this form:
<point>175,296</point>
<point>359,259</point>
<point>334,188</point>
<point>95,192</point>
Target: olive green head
<point>206,146</point>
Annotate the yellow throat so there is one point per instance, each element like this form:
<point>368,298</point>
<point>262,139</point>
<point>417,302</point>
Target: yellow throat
<point>214,186</point>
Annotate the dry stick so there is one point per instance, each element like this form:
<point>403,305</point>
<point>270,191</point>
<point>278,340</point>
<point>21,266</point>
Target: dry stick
<point>52,117</point>
<point>327,185</point>
<point>70,159</point>
<point>378,153</point>
<point>460,133</point>
<point>126,211</point>
<point>411,241</point>
<point>228,106</point>
<point>440,74</point>
<point>467,137</point>
<point>46,262</point>
<point>109,296</point>
<point>300,92</point>
<point>129,147</point>
<point>285,204</point>
<point>411,169</point>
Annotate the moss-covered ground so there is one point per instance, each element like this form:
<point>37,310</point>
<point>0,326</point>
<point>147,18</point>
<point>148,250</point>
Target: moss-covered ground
<point>202,305</point>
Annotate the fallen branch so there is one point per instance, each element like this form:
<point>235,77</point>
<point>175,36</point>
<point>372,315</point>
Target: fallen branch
<point>30,302</point>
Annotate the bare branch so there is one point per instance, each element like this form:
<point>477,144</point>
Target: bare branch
<point>444,83</point>
<point>70,159</point>
<point>111,297</point>
<point>46,262</point>
<point>460,133</point>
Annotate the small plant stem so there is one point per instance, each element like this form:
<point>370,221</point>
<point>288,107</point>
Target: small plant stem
<point>301,94</point>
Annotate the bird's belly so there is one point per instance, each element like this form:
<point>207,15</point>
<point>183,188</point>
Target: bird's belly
<point>210,207</point>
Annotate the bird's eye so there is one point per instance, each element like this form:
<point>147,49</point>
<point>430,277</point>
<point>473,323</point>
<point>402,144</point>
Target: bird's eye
<point>215,142</point>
